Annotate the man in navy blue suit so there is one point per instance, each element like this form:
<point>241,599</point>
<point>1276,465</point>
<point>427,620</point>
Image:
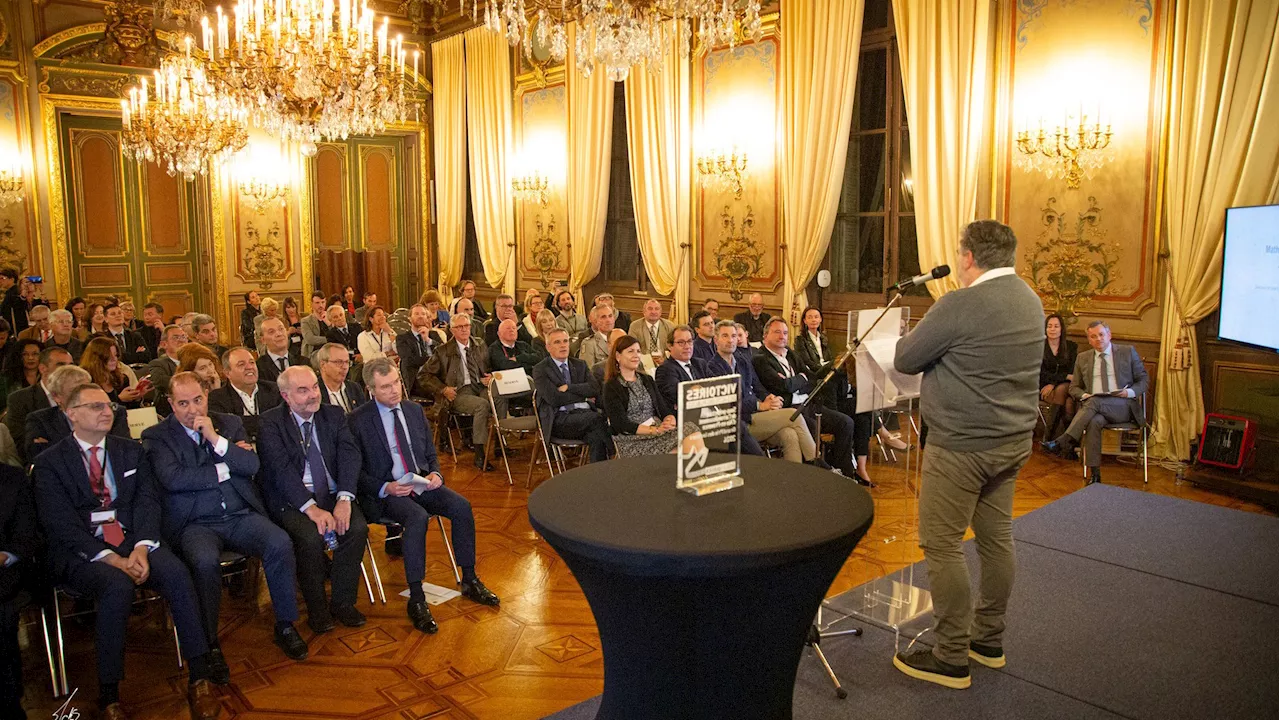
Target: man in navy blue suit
<point>566,393</point>
<point>205,467</point>
<point>100,512</point>
<point>704,345</point>
<point>401,480</point>
<point>49,425</point>
<point>310,469</point>
<point>680,367</point>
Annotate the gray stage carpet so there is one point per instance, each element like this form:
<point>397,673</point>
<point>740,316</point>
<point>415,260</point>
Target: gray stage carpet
<point>1127,605</point>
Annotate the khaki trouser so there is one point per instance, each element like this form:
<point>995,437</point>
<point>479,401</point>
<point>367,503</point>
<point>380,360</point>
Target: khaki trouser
<point>777,428</point>
<point>959,490</point>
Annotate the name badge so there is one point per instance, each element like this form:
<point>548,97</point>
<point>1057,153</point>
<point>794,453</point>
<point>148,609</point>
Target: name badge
<point>102,517</point>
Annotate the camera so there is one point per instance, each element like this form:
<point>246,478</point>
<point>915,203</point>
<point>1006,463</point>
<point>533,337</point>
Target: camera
<point>35,279</point>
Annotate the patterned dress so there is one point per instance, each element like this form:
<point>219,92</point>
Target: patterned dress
<point>639,409</point>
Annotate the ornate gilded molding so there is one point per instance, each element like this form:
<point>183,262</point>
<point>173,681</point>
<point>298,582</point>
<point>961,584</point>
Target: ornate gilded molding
<point>128,38</point>
<point>11,256</point>
<point>417,12</point>
<point>1069,267</point>
<point>738,258</point>
<point>263,260</point>
<point>91,83</point>
<point>545,249</point>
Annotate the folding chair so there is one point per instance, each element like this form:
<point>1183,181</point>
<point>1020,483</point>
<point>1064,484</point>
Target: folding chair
<point>554,447</point>
<point>1125,429</point>
<point>520,426</point>
<point>398,533</point>
<point>142,595</point>
<point>37,609</point>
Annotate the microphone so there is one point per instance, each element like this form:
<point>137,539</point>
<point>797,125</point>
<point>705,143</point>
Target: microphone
<point>939,272</point>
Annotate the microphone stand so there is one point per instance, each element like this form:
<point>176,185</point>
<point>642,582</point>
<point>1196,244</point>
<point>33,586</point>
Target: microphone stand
<point>839,362</point>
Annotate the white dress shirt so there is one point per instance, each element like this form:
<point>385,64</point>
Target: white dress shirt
<point>108,479</point>
<point>250,400</point>
<point>1096,387</point>
<point>306,467</point>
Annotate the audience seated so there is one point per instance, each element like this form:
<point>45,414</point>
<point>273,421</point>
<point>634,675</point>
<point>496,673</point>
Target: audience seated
<point>35,396</point>
<point>205,466</point>
<point>504,308</point>
<point>243,395</point>
<point>342,331</point>
<point>652,330</point>
<point>20,572</point>
<point>1055,375</point>
<point>595,347</point>
<point>683,367</point>
<point>370,301</point>
<point>100,512</point>
<point>753,318</point>
<point>310,467</point>
<point>415,346</point>
<point>62,334</point>
<point>620,318</point>
<point>401,480</point>
<point>205,331</point>
<point>102,359</point>
<point>566,393</point>
<point>704,346</point>
<point>569,318</point>
<point>457,375</point>
<point>467,291</point>
<point>378,339</point>
<point>642,421</point>
<point>712,307</point>
<point>333,362</point>
<point>315,327</point>
<point>509,352</point>
<point>533,304</point>
<point>21,368</point>
<point>278,353</point>
<point>199,359</point>
<point>248,316</point>
<point>48,426</point>
<point>38,329</point>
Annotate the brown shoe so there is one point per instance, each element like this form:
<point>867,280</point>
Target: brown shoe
<point>114,711</point>
<point>204,703</point>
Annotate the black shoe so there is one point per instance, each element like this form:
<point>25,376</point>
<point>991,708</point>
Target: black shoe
<point>989,655</point>
<point>420,616</point>
<point>349,616</point>
<point>864,482</point>
<point>1095,476</point>
<point>921,664</point>
<point>1052,447</point>
<point>219,673</point>
<point>393,547</point>
<point>476,591</point>
<point>481,462</point>
<point>320,624</point>
<point>288,640</point>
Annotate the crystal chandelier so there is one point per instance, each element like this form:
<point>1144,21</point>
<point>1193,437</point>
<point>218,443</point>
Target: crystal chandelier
<point>179,12</point>
<point>617,34</point>
<point>309,70</point>
<point>185,123</point>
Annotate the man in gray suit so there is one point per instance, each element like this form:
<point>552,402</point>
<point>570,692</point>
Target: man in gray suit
<point>979,349</point>
<point>652,330</point>
<point>1107,383</point>
<point>595,348</point>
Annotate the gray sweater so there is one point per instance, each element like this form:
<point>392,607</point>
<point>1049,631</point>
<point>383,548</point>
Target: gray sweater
<point>979,349</point>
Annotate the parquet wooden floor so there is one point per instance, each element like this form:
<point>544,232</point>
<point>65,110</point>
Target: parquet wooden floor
<point>536,654</point>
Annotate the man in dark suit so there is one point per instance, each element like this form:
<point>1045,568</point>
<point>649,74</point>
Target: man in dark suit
<point>779,371</point>
<point>1107,383</point>
<point>504,308</point>
<point>244,395</point>
<point>35,397</point>
<point>621,319</point>
<point>133,349</point>
<point>152,327</point>
<point>704,328</point>
<point>166,364</point>
<point>280,353</point>
<point>415,346</point>
<point>510,352</point>
<point>753,318</point>
<point>98,507</point>
<point>19,567</point>
<point>333,362</point>
<point>61,325</point>
<point>310,472</point>
<point>683,367</point>
<point>205,331</point>
<point>205,468</point>
<point>14,308</point>
<point>458,373</point>
<point>400,480</point>
<point>48,426</point>
<point>566,391</point>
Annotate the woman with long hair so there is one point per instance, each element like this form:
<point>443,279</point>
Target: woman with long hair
<point>378,339</point>
<point>77,306</point>
<point>348,301</point>
<point>21,368</point>
<point>1055,375</point>
<point>432,301</point>
<point>101,357</point>
<point>640,418</point>
<point>196,358</point>
<point>292,322</point>
<point>533,304</point>
<point>96,315</point>
<point>545,322</point>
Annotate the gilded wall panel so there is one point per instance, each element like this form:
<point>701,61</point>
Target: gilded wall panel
<point>542,151</point>
<point>19,239</point>
<point>97,181</point>
<point>1092,249</point>
<point>735,109</point>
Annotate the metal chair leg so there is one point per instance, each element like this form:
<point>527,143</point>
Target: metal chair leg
<point>365,574</point>
<point>502,445</point>
<point>377,576</point>
<point>1144,456</point>
<point>453,561</point>
<point>48,650</point>
<point>62,646</point>
<point>177,644</point>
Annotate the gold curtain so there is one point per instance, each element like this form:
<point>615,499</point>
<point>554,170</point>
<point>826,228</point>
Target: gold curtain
<point>590,101</point>
<point>1222,153</point>
<point>449,116</point>
<point>945,48</point>
<point>660,152</point>
<point>488,90</point>
<point>819,64</point>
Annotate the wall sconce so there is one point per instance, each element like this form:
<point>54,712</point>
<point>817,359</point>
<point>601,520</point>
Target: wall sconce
<point>531,188</point>
<point>728,171</point>
<point>11,186</point>
<point>262,193</point>
<point>1071,153</point>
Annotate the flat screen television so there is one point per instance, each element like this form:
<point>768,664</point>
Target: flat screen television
<point>1250,310</point>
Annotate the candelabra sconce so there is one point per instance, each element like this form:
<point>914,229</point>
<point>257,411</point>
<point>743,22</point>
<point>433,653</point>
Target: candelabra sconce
<point>545,250</point>
<point>11,187</point>
<point>264,193</point>
<point>729,171</point>
<point>531,188</point>
<point>738,258</point>
<point>1066,152</point>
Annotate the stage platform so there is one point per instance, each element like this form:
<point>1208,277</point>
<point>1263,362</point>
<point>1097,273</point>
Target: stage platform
<point>1127,605</point>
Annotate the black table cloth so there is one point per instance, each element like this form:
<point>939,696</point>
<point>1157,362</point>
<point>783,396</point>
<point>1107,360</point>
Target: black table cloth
<point>702,603</point>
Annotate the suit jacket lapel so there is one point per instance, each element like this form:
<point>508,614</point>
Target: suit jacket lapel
<point>118,469</point>
<point>381,431</point>
<point>79,476</point>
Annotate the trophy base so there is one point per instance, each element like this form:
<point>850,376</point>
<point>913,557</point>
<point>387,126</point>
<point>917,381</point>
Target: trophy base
<point>712,485</point>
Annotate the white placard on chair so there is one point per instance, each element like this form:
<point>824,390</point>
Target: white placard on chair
<point>140,419</point>
<point>510,382</point>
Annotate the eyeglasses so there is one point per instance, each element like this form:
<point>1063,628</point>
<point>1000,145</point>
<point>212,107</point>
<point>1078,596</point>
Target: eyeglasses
<point>683,342</point>
<point>94,407</point>
<point>339,362</point>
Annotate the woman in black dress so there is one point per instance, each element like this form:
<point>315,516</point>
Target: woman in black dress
<point>1055,375</point>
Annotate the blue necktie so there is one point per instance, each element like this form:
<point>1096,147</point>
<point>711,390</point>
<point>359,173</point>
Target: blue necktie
<point>564,370</point>
<point>319,477</point>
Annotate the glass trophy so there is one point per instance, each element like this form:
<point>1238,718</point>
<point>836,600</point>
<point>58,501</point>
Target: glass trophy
<point>707,413</point>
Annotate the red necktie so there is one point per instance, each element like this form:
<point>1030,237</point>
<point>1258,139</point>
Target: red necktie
<point>111,532</point>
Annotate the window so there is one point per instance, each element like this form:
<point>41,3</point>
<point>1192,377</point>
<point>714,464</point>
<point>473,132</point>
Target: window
<point>621,263</point>
<point>472,266</point>
<point>873,244</point>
